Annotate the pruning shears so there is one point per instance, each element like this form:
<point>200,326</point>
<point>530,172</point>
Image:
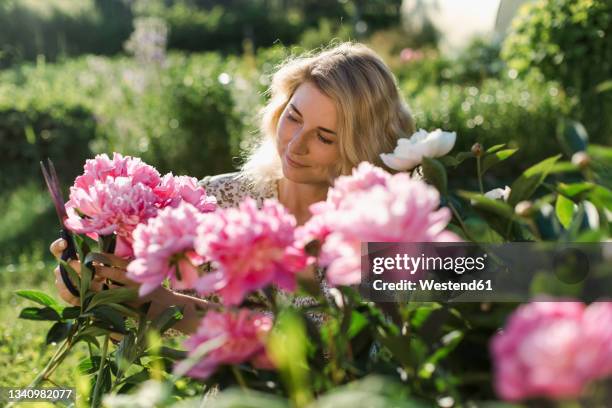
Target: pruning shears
<point>58,201</point>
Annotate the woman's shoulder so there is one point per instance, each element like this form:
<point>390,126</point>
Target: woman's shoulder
<point>232,188</point>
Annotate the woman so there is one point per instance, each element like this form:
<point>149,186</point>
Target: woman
<point>327,113</point>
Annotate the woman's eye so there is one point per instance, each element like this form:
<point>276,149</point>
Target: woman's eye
<point>324,140</point>
<point>291,118</point>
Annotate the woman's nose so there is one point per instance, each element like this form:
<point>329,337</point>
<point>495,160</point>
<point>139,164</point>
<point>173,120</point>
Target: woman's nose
<point>298,143</point>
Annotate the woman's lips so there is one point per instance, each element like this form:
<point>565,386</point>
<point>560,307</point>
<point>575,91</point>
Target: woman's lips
<point>293,163</point>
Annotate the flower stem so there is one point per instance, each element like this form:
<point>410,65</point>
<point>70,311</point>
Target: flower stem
<point>461,223</point>
<point>239,378</point>
<point>96,396</point>
<point>57,358</point>
<point>478,170</point>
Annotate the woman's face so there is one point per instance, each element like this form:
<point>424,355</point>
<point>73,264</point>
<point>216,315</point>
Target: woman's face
<point>306,136</point>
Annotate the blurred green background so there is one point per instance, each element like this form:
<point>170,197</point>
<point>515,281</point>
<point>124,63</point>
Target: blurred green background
<point>179,83</point>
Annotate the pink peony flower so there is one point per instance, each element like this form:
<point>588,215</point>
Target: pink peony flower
<point>174,189</point>
<point>251,248</point>
<point>244,331</point>
<point>164,248</point>
<point>552,349</point>
<point>373,206</point>
<point>101,167</point>
<point>113,196</point>
<point>364,177</point>
<point>113,206</point>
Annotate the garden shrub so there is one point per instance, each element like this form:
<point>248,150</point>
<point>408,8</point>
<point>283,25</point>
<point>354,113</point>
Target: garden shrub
<point>521,113</point>
<point>570,42</point>
<point>56,28</point>
<point>29,135</point>
<point>180,116</point>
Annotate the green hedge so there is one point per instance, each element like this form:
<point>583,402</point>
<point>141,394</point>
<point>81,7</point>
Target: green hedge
<point>569,41</point>
<point>55,29</point>
<point>523,114</point>
<point>181,117</point>
<point>29,135</point>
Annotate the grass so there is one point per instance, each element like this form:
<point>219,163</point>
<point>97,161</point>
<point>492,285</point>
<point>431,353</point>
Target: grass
<point>27,226</point>
<point>23,352</point>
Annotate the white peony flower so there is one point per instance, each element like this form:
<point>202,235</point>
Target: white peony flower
<point>409,152</point>
<point>499,193</point>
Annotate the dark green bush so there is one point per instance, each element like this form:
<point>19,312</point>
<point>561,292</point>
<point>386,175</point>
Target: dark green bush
<point>29,135</point>
<point>200,25</point>
<point>54,29</point>
<point>181,117</point>
<point>521,113</point>
<point>569,41</point>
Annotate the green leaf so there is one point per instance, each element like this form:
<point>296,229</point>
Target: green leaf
<point>497,157</point>
<point>574,190</point>
<point>125,310</point>
<point>71,312</point>
<point>435,173</point>
<point>564,210</point>
<point>35,313</point>
<point>449,161</point>
<point>167,319</point>
<point>450,341</point>
<point>530,180</point>
<point>601,197</point>
<point>41,298</point>
<point>108,315</point>
<point>564,167</point>
<point>86,277</point>
<point>497,207</point>
<point>117,295</point>
<point>572,137</point>
<point>88,339</point>
<point>58,332</point>
<point>495,148</point>
<point>171,353</point>
<point>92,331</point>
<point>604,86</point>
<point>126,353</point>
<point>464,156</point>
<point>400,348</point>
<point>358,323</point>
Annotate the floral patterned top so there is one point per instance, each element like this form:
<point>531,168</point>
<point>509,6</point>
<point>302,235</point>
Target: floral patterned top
<point>230,190</point>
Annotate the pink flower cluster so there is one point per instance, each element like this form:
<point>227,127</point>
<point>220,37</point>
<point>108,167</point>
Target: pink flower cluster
<point>164,248</point>
<point>553,349</point>
<point>410,55</point>
<point>114,196</point>
<point>372,206</point>
<point>244,333</point>
<point>250,248</point>
<point>174,189</point>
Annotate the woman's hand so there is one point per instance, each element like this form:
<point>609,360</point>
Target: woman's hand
<point>112,277</point>
<point>160,299</point>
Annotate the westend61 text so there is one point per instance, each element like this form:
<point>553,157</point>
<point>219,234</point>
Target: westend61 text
<point>475,285</point>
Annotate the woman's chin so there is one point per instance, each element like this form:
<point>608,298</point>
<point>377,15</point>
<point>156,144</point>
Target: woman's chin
<point>297,175</point>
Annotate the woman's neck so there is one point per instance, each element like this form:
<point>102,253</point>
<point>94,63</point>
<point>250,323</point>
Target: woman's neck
<point>297,197</point>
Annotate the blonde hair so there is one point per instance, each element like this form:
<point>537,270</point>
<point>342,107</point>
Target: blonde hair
<point>371,113</point>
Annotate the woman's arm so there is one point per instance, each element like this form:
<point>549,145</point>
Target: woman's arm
<point>190,305</point>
